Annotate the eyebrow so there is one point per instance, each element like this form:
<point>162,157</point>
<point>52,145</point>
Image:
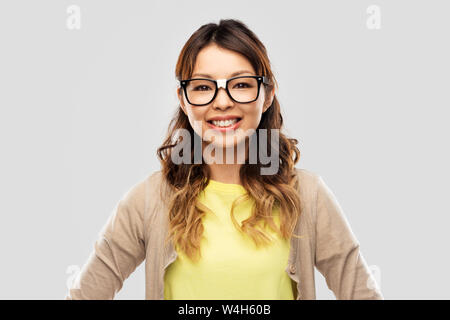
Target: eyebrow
<point>234,74</point>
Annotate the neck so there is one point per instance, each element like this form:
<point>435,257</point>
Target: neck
<point>226,170</point>
<point>226,173</point>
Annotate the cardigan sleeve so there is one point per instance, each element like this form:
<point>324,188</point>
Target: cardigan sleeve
<point>337,253</point>
<point>118,251</point>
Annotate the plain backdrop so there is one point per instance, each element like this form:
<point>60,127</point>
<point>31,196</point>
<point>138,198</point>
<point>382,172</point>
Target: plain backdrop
<point>84,110</point>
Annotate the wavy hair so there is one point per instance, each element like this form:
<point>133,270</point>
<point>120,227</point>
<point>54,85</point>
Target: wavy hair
<point>188,180</point>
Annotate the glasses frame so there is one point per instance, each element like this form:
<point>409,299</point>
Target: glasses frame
<point>223,83</point>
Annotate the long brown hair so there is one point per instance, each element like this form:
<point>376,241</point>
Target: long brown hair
<point>188,180</point>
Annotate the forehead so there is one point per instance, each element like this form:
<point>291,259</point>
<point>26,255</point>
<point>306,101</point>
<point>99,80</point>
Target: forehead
<point>221,63</point>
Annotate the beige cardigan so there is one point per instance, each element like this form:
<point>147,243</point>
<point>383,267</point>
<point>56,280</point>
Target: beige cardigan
<point>136,229</point>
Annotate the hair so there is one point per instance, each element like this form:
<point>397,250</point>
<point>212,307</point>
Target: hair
<point>188,180</point>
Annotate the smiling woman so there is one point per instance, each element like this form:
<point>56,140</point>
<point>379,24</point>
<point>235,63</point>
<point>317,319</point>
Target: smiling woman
<point>224,230</point>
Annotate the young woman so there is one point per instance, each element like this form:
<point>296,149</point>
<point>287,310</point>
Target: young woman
<point>224,218</point>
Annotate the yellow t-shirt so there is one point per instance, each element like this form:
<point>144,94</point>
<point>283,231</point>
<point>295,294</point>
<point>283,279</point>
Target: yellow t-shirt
<point>231,266</point>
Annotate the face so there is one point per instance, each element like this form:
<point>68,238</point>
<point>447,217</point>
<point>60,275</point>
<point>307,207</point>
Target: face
<point>215,63</point>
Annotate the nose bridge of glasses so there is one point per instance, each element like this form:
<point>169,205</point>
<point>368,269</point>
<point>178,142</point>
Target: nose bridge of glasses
<point>221,83</point>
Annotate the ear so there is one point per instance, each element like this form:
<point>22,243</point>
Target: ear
<point>269,100</point>
<point>180,98</point>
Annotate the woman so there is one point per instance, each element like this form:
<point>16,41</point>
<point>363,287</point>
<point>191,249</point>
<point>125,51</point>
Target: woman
<point>221,220</point>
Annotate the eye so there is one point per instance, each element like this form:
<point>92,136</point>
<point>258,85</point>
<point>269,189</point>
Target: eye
<point>241,85</point>
<point>202,88</point>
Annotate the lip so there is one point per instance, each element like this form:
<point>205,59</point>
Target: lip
<point>224,117</point>
<point>233,127</point>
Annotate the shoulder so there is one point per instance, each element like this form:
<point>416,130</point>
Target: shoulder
<point>144,191</point>
<point>138,189</point>
<point>308,182</point>
<point>307,176</point>
<point>313,184</point>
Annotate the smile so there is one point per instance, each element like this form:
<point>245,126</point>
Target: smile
<point>223,125</point>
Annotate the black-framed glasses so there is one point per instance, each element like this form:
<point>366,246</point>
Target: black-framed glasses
<point>242,89</point>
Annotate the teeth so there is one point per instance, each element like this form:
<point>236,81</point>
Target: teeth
<point>224,123</point>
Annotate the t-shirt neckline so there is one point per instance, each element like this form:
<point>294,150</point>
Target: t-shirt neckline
<point>226,187</point>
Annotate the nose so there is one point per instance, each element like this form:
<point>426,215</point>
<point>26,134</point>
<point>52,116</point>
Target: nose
<point>222,100</point>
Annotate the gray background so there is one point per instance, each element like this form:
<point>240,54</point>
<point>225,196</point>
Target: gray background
<point>83,111</point>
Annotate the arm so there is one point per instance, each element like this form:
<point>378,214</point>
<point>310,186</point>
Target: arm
<point>338,257</point>
<point>118,250</point>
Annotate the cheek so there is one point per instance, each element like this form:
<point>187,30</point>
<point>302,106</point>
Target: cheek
<point>196,120</point>
<point>253,116</point>
<point>194,115</point>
